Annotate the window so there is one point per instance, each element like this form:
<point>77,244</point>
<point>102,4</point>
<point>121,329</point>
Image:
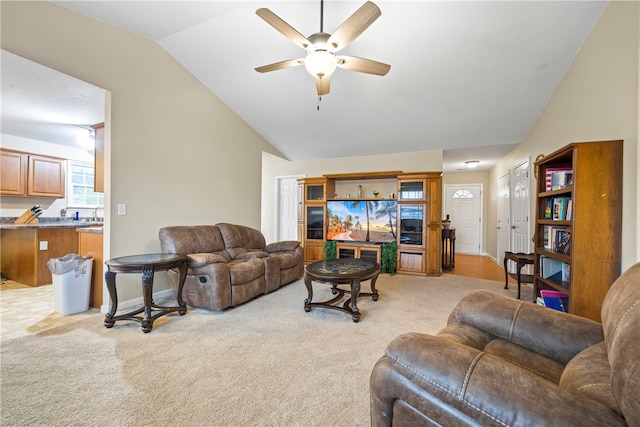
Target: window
<point>462,194</point>
<point>80,192</point>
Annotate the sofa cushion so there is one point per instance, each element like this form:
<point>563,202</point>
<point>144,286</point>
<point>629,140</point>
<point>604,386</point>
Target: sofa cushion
<point>472,337</point>
<point>246,270</point>
<point>183,239</point>
<point>239,239</point>
<point>620,320</point>
<point>252,254</point>
<point>287,259</point>
<point>589,375</point>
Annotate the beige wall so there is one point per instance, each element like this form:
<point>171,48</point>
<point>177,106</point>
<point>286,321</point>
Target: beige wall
<point>178,154</point>
<point>274,167</point>
<point>596,100</point>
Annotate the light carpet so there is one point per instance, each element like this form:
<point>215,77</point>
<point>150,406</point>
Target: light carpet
<point>265,363</point>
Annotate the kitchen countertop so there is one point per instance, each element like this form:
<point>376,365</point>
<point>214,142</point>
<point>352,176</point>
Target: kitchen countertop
<point>62,224</point>
<point>96,229</point>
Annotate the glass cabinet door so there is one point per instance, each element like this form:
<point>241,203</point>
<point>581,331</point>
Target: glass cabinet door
<point>315,222</point>
<point>411,190</point>
<point>315,192</point>
<point>411,225</point>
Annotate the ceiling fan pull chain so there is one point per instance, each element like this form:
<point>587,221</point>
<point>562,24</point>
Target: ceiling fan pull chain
<point>318,107</point>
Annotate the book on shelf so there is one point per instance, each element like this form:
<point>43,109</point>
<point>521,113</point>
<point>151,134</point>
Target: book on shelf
<point>557,178</point>
<point>560,208</point>
<point>555,299</point>
<point>557,239</point>
<point>548,208</point>
<point>546,237</point>
<point>562,241</point>
<point>553,269</point>
<point>569,214</point>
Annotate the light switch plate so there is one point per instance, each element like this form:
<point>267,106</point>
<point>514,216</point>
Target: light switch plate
<point>122,209</point>
<point>44,245</point>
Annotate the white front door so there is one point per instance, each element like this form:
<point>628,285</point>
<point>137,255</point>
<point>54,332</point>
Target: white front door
<point>520,204</point>
<point>287,209</point>
<point>504,217</point>
<point>463,204</point>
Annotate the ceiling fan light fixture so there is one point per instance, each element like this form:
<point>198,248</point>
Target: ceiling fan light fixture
<point>320,63</point>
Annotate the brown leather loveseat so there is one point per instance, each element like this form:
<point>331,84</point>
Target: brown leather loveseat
<point>230,264</point>
<point>504,362</point>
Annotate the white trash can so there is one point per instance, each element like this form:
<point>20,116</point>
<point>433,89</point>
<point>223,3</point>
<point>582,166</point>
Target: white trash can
<point>71,283</point>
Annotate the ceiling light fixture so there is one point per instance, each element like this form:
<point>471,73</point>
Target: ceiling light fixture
<point>321,59</point>
<point>471,164</point>
<point>319,62</point>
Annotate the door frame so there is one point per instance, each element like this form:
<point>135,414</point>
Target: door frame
<point>278,224</point>
<point>481,248</point>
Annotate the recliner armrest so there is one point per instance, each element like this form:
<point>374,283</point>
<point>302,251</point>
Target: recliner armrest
<point>557,335</point>
<point>200,260</point>
<point>484,387</point>
<point>283,246</point>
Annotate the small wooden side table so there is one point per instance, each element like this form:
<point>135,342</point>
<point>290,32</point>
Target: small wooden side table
<point>521,259</point>
<point>448,248</point>
<point>147,265</point>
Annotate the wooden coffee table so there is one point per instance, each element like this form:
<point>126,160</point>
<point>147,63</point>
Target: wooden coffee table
<point>341,271</point>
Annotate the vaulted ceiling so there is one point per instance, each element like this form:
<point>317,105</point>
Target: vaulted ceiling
<point>470,78</point>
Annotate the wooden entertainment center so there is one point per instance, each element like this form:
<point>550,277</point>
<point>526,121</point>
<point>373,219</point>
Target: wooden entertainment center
<point>418,223</point>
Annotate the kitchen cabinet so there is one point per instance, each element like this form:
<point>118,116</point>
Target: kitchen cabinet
<point>90,244</point>
<point>13,173</point>
<point>31,175</point>
<point>26,251</point>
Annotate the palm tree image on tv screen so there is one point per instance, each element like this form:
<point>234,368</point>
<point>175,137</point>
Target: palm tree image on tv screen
<point>371,221</point>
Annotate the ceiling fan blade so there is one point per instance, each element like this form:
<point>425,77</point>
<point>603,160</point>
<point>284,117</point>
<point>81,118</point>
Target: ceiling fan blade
<point>280,65</point>
<point>362,65</point>
<point>354,25</point>
<point>323,85</point>
<point>285,29</point>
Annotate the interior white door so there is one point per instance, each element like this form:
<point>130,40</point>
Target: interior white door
<point>287,209</point>
<point>504,216</point>
<point>520,207</point>
<point>463,204</point>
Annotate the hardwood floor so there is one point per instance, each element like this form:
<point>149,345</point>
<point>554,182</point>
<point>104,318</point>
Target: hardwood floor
<point>479,266</point>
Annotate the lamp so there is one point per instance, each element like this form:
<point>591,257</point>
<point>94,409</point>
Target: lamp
<point>320,63</point>
<point>471,164</point>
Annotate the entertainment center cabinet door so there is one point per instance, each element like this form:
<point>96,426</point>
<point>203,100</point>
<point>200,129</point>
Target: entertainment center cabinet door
<point>313,252</point>
<point>365,251</point>
<point>411,262</point>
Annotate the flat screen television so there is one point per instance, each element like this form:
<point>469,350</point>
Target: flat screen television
<point>371,221</point>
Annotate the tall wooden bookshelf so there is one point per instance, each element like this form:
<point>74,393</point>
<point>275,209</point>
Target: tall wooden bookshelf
<point>579,200</point>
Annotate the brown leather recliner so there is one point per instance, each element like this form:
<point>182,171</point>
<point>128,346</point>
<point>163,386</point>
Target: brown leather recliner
<point>230,264</point>
<point>504,362</point>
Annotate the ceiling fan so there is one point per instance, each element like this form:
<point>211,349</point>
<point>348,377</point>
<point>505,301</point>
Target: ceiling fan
<point>321,59</point>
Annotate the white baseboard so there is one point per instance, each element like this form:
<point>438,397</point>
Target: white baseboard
<point>137,302</point>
